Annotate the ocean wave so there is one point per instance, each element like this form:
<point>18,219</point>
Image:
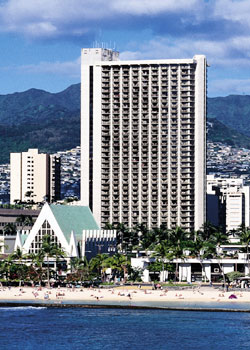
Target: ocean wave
<point>22,308</point>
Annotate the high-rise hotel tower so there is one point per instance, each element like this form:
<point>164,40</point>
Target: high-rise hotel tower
<point>143,131</point>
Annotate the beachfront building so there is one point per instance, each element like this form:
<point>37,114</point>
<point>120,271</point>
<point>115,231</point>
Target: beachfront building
<point>11,221</point>
<point>191,269</point>
<point>34,177</point>
<point>14,216</point>
<point>228,202</point>
<point>71,228</point>
<point>143,136</point>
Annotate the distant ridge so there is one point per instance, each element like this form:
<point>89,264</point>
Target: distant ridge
<point>40,119</point>
<point>232,110</point>
<point>34,105</point>
<point>51,121</point>
<point>219,132</point>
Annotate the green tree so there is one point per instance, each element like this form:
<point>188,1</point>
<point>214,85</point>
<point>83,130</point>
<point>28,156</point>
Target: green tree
<point>163,252</point>
<point>207,231</point>
<point>80,268</point>
<point>244,236</point>
<point>6,266</point>
<point>50,250</point>
<point>142,237</point>
<point>125,238</point>
<point>24,220</point>
<point>216,240</point>
<point>98,264</point>
<point>36,273</point>
<point>234,275</point>
<point>119,264</point>
<point>18,256</point>
<point>10,229</point>
<point>202,249</point>
<point>179,241</point>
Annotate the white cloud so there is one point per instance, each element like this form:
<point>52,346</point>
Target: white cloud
<point>233,10</point>
<point>68,17</point>
<point>68,68</point>
<point>59,17</point>
<point>217,52</point>
<point>140,7</point>
<point>235,86</point>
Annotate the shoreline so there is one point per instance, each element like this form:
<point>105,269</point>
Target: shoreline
<point>199,299</point>
<point>16,304</point>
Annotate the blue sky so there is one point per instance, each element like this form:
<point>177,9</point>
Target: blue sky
<point>41,39</point>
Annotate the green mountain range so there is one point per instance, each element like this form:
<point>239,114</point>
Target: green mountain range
<point>51,121</point>
<point>39,119</point>
<point>219,132</point>
<point>233,111</point>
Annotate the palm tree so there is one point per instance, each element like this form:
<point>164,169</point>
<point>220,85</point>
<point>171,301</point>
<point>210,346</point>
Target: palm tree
<point>98,264</point>
<point>19,256</point>
<point>202,250</point>
<point>50,250</point>
<point>179,241</point>
<point>6,266</point>
<point>37,265</point>
<point>163,251</point>
<point>161,233</point>
<point>124,236</point>
<point>24,220</point>
<point>147,239</point>
<point>119,263</point>
<point>244,236</point>
<point>216,240</point>
<point>10,229</point>
<point>81,267</point>
<point>29,194</point>
<point>140,237</point>
<point>207,230</point>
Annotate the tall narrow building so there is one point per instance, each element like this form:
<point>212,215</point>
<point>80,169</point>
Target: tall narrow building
<point>143,130</point>
<point>34,176</point>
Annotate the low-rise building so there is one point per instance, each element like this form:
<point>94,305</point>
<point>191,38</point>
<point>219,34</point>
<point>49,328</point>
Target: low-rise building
<point>17,217</point>
<point>192,269</point>
<point>72,228</point>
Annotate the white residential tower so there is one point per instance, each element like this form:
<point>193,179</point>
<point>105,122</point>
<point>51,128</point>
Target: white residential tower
<point>34,176</point>
<point>143,139</point>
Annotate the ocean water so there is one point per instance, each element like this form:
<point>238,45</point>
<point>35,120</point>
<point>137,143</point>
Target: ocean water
<point>25,328</point>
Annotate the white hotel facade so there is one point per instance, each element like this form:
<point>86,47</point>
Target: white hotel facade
<point>143,134</point>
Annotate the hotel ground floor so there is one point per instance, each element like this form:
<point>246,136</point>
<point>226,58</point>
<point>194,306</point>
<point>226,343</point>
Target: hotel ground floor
<point>191,270</point>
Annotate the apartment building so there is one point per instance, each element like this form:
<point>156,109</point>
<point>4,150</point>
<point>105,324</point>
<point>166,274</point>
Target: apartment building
<point>233,199</point>
<point>143,139</point>
<point>34,176</point>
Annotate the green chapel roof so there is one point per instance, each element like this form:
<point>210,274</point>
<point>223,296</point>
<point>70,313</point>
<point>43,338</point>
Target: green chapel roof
<point>74,218</point>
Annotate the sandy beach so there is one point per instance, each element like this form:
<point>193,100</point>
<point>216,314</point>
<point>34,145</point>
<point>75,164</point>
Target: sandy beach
<point>122,295</point>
